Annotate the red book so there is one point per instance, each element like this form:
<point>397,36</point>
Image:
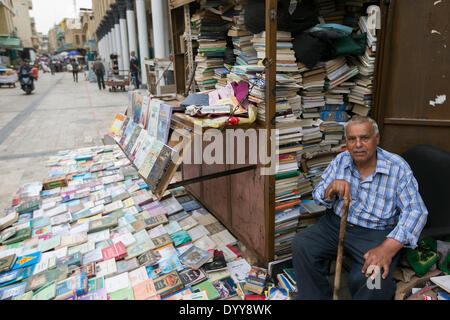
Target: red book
<point>116,251</point>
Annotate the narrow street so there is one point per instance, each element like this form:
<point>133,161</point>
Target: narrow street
<point>60,114</point>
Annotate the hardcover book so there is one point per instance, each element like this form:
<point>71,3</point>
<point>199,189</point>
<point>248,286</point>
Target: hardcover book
<point>226,287</point>
<point>149,258</point>
<point>20,235</point>
<point>168,284</point>
<point>7,233</point>
<point>191,277</point>
<point>27,260</point>
<point>76,285</point>
<point>159,167</point>
<point>38,280</point>
<point>155,221</point>
<point>207,286</point>
<point>69,260</point>
<point>162,241</point>
<point>165,114</point>
<point>6,263</point>
<point>195,257</point>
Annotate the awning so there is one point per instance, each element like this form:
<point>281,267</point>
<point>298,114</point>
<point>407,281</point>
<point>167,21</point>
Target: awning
<point>9,42</point>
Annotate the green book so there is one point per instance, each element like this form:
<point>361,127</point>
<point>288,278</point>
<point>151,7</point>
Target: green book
<point>287,175</point>
<point>180,238</point>
<point>207,286</point>
<point>45,293</point>
<point>96,284</point>
<point>212,50</point>
<point>102,224</point>
<point>122,294</point>
<point>20,235</point>
<point>37,281</point>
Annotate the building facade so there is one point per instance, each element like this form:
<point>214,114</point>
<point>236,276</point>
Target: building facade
<point>23,22</point>
<point>6,18</point>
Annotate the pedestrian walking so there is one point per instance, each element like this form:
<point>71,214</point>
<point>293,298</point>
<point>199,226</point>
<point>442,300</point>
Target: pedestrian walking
<point>99,70</point>
<point>75,67</point>
<point>134,69</point>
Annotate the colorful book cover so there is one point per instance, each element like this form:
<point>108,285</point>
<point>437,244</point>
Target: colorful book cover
<point>195,257</point>
<point>96,284</point>
<point>167,284</point>
<point>138,145</point>
<point>165,114</point>
<point>116,125</point>
<point>170,264</point>
<point>159,167</point>
<point>190,206</point>
<point>226,287</point>
<point>16,275</point>
<point>99,294</point>
<point>27,260</point>
<point>127,133</point>
<point>12,291</point>
<point>70,260</point>
<point>137,107</point>
<point>207,286</point>
<point>76,285</point>
<point>180,238</point>
<point>179,295</point>
<point>150,159</point>
<point>144,151</point>
<point>132,141</point>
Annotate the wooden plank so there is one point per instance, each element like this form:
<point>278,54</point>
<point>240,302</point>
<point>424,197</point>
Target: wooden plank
<point>415,72</point>
<point>269,180</point>
<point>178,3</point>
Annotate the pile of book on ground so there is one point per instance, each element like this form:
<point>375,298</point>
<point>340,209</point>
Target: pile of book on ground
<point>93,231</point>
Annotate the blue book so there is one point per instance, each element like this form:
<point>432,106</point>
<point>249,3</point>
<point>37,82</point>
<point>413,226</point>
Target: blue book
<point>27,260</point>
<point>13,276</point>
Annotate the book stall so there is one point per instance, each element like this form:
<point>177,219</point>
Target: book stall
<point>114,222</point>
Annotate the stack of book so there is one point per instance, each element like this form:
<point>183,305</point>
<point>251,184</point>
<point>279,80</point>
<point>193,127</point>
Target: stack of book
<point>117,243</point>
<point>361,96</point>
<point>211,29</point>
<point>331,11</point>
<point>285,53</point>
<point>241,37</point>
<point>313,94</point>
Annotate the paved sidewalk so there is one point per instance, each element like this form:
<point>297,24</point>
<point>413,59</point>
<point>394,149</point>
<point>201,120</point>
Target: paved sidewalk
<point>59,115</point>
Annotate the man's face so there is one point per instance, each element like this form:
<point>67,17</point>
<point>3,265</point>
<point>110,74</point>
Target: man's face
<point>362,142</point>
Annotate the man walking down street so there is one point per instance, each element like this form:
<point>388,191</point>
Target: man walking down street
<point>75,67</point>
<point>99,70</point>
<point>134,69</point>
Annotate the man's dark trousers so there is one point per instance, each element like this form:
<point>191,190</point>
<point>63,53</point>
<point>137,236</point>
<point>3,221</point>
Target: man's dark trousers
<point>314,247</point>
<point>136,76</point>
<point>75,76</point>
<point>100,80</point>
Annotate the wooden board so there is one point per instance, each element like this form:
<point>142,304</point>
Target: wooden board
<point>415,70</point>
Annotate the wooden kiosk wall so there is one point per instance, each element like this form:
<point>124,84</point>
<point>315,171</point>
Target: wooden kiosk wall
<point>412,67</point>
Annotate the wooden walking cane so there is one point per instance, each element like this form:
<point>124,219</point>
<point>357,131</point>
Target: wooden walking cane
<point>337,273</point>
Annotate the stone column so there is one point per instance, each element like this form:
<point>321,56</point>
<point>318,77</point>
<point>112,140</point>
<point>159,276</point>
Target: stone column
<point>124,35</point>
<point>116,15</point>
<point>143,37</point>
<point>131,23</point>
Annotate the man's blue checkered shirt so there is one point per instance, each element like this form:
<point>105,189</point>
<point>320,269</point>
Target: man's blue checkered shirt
<point>388,198</point>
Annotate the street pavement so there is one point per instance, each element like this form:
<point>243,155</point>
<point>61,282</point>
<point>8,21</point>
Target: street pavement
<point>59,115</point>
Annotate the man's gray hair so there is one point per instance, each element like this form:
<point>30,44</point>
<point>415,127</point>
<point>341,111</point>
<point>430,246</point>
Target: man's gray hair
<point>362,119</point>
